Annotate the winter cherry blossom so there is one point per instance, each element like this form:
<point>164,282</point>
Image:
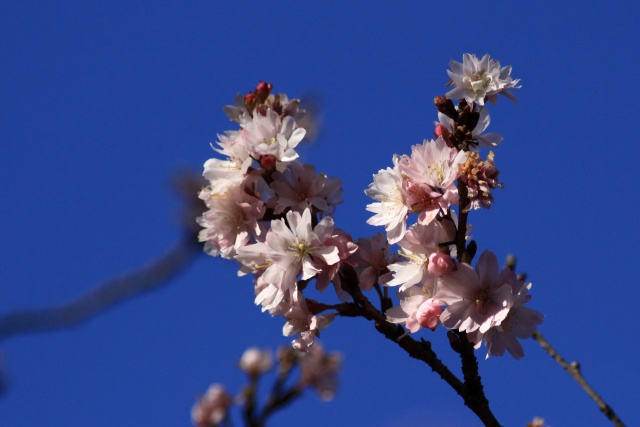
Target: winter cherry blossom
<point>230,222</point>
<point>431,170</point>
<point>418,244</point>
<point>520,323</point>
<point>274,216</point>
<point>477,299</point>
<point>301,321</point>
<point>291,248</point>
<point>391,210</point>
<point>271,135</point>
<point>341,240</point>
<point>417,309</point>
<point>211,408</point>
<point>299,187</point>
<point>476,80</point>
<point>372,260</point>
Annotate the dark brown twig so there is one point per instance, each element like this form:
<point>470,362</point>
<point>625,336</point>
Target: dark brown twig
<point>472,394</point>
<point>574,370</point>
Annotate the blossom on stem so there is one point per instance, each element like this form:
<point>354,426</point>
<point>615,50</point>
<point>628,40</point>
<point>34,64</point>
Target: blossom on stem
<point>520,323</point>
<point>230,222</point>
<point>417,309</point>
<point>477,299</point>
<point>390,210</point>
<point>271,135</point>
<point>372,261</point>
<point>418,244</point>
<point>432,170</point>
<point>341,240</point>
<point>211,408</point>
<point>291,248</point>
<point>478,79</point>
<point>299,188</point>
<point>301,321</point>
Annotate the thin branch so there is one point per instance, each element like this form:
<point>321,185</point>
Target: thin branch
<point>574,370</point>
<point>104,296</point>
<point>471,391</point>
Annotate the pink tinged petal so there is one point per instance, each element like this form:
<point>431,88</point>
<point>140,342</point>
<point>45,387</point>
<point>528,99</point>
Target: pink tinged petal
<point>329,254</point>
<point>459,285</point>
<point>324,229</point>
<point>412,324</point>
<point>488,268</point>
<point>509,95</point>
<point>458,92</point>
<point>489,140</point>
<point>396,314</point>
<point>456,314</point>
<point>456,67</point>
<point>368,278</point>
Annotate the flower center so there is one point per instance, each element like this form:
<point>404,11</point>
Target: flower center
<point>480,82</point>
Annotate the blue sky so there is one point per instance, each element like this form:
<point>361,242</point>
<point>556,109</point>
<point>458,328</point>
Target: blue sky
<point>102,103</point>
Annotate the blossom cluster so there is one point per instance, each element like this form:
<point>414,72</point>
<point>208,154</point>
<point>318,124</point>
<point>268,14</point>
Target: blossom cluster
<point>316,369</point>
<point>273,215</point>
<point>434,288</point>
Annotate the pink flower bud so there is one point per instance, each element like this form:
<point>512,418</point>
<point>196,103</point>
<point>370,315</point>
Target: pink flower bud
<point>439,130</point>
<point>268,162</point>
<point>428,315</point>
<point>440,264</point>
<point>263,89</point>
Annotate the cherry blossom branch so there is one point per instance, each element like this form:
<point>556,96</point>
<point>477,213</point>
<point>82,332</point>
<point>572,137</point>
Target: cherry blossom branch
<point>104,296</point>
<point>277,402</point>
<point>471,390</point>
<point>573,369</point>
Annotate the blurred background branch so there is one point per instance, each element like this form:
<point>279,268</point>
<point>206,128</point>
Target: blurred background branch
<point>157,273</point>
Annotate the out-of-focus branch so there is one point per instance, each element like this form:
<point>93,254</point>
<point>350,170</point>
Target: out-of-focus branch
<point>574,370</point>
<point>159,272</point>
<point>104,296</point>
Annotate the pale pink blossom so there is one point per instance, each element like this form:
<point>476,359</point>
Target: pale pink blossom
<point>520,323</point>
<point>291,248</point>
<point>230,222</point>
<point>211,408</point>
<point>255,361</point>
<point>372,260</point>
<point>418,244</point>
<point>272,135</point>
<point>231,171</point>
<point>390,210</point>
<point>299,188</point>
<point>341,240</point>
<point>432,170</point>
<point>417,309</point>
<point>476,79</point>
<point>477,299</point>
<point>440,264</point>
<point>301,321</point>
